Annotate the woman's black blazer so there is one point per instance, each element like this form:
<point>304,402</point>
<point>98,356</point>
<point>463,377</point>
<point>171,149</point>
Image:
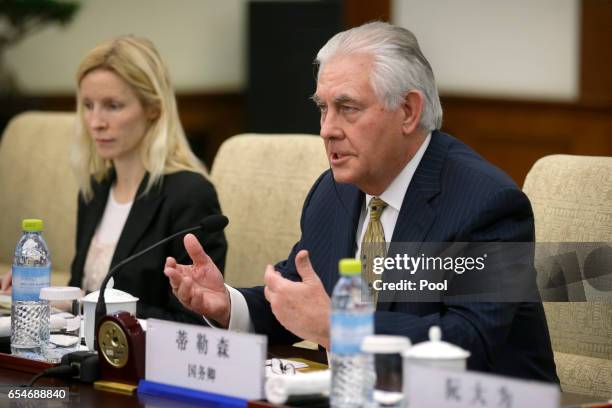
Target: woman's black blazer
<point>180,201</point>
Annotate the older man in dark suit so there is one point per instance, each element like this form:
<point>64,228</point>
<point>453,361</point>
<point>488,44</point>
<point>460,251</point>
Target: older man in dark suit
<point>380,115</point>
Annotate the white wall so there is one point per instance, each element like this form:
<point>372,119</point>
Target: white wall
<point>513,48</point>
<point>505,48</point>
<point>201,41</point>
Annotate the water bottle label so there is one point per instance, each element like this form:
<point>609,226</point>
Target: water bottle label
<point>348,330</point>
<point>28,281</point>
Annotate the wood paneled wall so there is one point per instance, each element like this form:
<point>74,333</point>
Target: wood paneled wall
<point>208,118</point>
<point>596,53</point>
<point>358,12</point>
<point>514,134</point>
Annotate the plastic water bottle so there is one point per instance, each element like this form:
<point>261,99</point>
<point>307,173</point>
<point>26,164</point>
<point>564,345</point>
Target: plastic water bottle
<point>352,319</point>
<point>31,273</point>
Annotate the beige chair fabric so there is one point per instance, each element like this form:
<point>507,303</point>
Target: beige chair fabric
<point>36,182</point>
<point>572,202</point>
<point>262,181</point>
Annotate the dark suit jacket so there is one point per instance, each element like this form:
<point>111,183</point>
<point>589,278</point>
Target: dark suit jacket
<point>180,201</point>
<point>454,196</point>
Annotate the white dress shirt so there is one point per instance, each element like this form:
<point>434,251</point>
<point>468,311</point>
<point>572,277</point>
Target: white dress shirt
<point>240,320</point>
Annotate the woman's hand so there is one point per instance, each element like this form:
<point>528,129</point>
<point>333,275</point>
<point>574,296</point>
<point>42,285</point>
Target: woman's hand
<point>7,283</point>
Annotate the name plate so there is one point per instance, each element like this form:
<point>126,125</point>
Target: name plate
<point>205,359</point>
<point>429,387</point>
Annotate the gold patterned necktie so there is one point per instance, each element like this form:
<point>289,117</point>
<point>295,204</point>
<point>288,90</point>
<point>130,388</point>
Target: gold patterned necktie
<point>373,244</point>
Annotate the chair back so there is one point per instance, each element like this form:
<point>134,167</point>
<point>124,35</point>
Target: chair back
<point>262,181</point>
<point>572,203</point>
<point>36,181</point>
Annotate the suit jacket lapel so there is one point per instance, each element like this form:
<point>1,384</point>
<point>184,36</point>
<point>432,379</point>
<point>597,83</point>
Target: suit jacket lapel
<point>348,210</point>
<point>416,215</point>
<point>140,217</point>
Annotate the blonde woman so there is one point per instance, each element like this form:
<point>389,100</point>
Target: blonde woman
<point>139,181</point>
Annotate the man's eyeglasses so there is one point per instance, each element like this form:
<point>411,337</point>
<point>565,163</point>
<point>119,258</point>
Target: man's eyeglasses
<point>279,367</point>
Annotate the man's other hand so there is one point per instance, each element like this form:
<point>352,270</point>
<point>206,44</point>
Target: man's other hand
<point>303,307</point>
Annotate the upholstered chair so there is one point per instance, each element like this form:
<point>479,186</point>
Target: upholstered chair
<point>36,181</point>
<point>262,181</point>
<point>572,202</point>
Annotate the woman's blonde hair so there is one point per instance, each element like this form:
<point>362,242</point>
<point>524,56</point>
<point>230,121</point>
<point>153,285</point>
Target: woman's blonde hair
<point>164,148</point>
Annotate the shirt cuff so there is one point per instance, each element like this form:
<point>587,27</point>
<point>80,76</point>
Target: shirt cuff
<point>240,319</point>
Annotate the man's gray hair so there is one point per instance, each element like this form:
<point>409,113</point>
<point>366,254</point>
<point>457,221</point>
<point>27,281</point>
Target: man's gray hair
<point>399,66</point>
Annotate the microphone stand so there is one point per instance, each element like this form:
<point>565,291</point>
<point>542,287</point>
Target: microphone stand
<point>212,223</point>
<point>101,306</point>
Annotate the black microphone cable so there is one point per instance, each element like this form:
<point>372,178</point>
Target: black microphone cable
<point>61,371</point>
<point>80,365</point>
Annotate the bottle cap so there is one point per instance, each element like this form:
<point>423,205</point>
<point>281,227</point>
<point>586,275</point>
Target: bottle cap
<point>60,293</point>
<point>383,344</point>
<point>32,225</point>
<point>349,266</point>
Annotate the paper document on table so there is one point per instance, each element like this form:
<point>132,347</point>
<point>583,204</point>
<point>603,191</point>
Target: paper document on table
<point>5,305</point>
<point>56,321</point>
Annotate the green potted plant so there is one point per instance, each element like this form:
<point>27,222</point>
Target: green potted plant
<point>20,18</point>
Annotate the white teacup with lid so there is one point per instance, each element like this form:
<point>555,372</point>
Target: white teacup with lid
<point>61,321</point>
<point>386,354</point>
<point>436,353</point>
<point>116,300</point>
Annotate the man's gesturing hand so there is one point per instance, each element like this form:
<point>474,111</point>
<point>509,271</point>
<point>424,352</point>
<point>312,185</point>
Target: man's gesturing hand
<point>199,287</point>
<point>301,307</point>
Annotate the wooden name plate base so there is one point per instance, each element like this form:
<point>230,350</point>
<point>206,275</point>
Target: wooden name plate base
<point>121,346</point>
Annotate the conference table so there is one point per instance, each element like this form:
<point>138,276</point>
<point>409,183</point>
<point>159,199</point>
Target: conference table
<point>85,395</point>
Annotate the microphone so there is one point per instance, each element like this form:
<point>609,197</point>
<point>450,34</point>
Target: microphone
<point>211,223</point>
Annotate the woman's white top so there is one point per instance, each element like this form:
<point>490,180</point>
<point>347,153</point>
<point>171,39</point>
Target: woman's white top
<point>103,243</point>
